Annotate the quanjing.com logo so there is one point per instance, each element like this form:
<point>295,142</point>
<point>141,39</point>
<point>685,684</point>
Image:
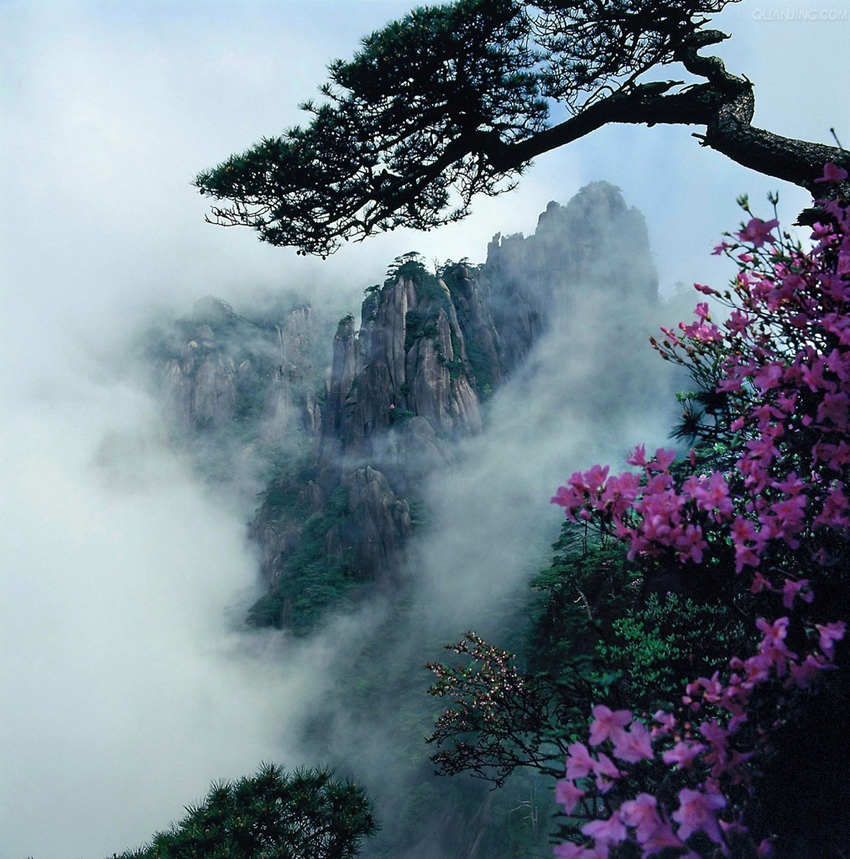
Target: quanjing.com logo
<point>800,14</point>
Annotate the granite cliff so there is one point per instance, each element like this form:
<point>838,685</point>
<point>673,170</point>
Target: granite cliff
<point>346,448</point>
<point>219,370</point>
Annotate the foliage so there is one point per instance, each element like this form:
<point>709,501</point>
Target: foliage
<point>284,493</point>
<point>391,119</point>
<point>419,324</point>
<point>500,718</point>
<point>715,775</point>
<point>408,266</point>
<point>314,578</point>
<point>503,718</point>
<point>453,101</point>
<point>308,814</point>
<point>656,647</point>
<point>593,635</point>
<point>588,584</point>
<point>591,44</point>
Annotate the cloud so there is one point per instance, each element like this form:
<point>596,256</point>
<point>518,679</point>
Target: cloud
<point>125,686</point>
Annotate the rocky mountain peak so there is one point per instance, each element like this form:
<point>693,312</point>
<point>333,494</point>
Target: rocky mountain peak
<point>408,359</point>
<point>406,381</point>
<point>212,311</point>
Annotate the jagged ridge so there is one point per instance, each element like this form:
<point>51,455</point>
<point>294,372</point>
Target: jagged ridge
<point>404,386</point>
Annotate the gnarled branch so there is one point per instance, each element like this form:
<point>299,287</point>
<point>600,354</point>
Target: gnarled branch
<point>452,102</point>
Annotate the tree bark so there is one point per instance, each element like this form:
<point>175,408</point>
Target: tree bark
<point>727,119</point>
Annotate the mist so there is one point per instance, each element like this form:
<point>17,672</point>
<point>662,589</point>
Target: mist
<point>133,680</point>
<point>493,523</point>
<point>588,391</point>
<point>126,687</point>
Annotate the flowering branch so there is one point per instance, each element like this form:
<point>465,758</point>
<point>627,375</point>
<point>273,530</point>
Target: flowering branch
<point>770,526</point>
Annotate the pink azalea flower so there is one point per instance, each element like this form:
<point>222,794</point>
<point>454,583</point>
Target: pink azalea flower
<point>757,669</point>
<point>659,838</point>
<point>712,688</point>
<point>835,408</point>
<point>773,644</point>
<point>633,745</point>
<point>738,322</point>
<point>663,459</point>
<point>757,231</point>
<point>607,724</point>
<point>567,497</point>
<point>639,456</point>
<point>568,850</point>
<point>774,633</point>
<point>596,477</point>
<point>829,634</point>
<point>606,773</point>
<point>786,519</point>
<point>791,590</point>
<point>804,672</point>
<point>672,337</point>
<point>786,402</point>
<point>791,485</point>
<point>835,509</point>
<point>732,765</point>
<point>702,332</point>
<point>579,762</point>
<point>666,722</point>
<point>689,543</point>
<point>743,529</point>
<point>759,584</point>
<point>716,736</point>
<point>821,232</point>
<point>683,754</point>
<point>642,814</point>
<point>769,376</point>
<point>712,496</point>
<point>832,173</point>
<point>620,493</point>
<point>610,831</point>
<point>765,849</point>
<point>567,794</point>
<point>697,812</point>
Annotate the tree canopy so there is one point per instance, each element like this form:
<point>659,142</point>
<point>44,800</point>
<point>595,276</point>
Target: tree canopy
<point>307,814</point>
<point>454,101</point>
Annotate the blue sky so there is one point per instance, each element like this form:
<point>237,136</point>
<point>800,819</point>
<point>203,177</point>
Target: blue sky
<point>121,694</point>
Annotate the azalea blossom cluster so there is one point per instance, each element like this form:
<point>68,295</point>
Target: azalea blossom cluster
<point>716,776</point>
<point>780,365</point>
<point>776,513</point>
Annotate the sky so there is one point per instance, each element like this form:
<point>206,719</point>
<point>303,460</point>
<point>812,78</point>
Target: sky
<point>123,687</point>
